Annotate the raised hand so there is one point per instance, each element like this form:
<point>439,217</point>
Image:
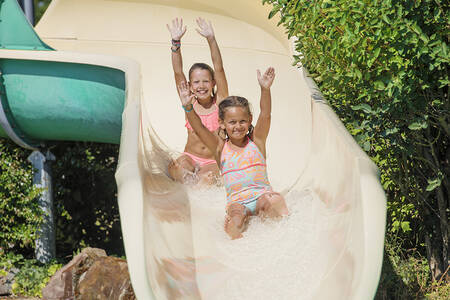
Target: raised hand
<point>186,96</point>
<point>265,80</point>
<point>177,30</point>
<point>205,28</point>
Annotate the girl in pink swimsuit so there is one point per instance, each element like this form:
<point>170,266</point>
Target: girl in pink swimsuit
<point>241,155</point>
<point>197,163</point>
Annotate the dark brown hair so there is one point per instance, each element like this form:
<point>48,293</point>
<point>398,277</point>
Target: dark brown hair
<point>233,101</point>
<point>201,66</point>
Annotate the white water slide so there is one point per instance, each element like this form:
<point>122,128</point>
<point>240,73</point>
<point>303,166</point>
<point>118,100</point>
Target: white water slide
<point>331,245</point>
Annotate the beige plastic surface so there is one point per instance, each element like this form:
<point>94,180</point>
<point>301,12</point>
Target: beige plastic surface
<point>332,244</point>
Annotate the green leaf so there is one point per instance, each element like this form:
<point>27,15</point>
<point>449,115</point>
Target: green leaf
<point>418,125</point>
<point>405,226</point>
<point>364,107</point>
<point>432,184</point>
<point>272,13</point>
<point>379,85</point>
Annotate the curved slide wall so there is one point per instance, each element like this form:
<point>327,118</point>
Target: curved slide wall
<point>308,147</point>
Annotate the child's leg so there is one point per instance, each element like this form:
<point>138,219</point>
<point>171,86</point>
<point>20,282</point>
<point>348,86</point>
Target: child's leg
<point>183,170</point>
<point>271,205</point>
<point>236,220</point>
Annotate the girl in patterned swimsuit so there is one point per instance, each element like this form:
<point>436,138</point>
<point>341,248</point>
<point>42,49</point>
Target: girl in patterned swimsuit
<point>241,155</point>
<point>197,163</point>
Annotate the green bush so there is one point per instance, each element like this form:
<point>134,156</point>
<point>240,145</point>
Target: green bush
<point>32,275</point>
<point>383,65</point>
<point>86,209</point>
<point>85,199</point>
<point>20,215</point>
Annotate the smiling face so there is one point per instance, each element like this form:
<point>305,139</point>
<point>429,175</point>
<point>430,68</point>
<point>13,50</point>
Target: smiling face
<point>202,85</point>
<point>236,122</point>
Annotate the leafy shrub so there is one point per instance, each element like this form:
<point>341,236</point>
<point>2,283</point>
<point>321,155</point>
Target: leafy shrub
<point>20,215</point>
<point>85,199</point>
<point>383,65</point>
<point>33,277</point>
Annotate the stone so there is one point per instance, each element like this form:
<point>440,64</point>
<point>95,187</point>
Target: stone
<point>106,279</point>
<point>7,281</point>
<point>61,284</point>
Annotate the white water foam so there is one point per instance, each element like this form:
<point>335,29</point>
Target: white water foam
<point>276,259</point>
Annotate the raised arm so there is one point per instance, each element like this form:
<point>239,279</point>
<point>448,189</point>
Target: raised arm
<point>206,30</point>
<point>207,137</point>
<point>263,124</point>
<point>176,32</point>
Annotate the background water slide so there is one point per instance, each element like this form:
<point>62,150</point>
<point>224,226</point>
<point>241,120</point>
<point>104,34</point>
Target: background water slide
<point>308,146</point>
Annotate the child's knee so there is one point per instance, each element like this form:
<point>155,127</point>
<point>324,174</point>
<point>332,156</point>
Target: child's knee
<point>236,209</point>
<point>273,204</point>
<point>186,163</point>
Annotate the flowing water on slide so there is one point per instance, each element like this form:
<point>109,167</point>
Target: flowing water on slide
<point>276,258</point>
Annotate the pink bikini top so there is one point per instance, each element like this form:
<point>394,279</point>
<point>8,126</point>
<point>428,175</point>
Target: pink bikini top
<point>211,120</point>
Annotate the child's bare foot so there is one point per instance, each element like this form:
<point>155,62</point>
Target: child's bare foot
<point>183,170</point>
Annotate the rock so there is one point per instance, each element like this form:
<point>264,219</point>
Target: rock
<point>91,275</point>
<point>7,281</point>
<point>106,279</point>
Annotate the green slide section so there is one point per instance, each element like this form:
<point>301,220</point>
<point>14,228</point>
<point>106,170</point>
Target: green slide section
<point>62,101</point>
<point>15,30</point>
<point>44,100</point>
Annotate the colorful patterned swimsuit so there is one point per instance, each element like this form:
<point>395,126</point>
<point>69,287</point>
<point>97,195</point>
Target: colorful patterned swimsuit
<point>244,175</point>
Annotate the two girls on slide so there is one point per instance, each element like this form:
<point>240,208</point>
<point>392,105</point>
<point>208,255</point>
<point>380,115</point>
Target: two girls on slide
<point>233,143</point>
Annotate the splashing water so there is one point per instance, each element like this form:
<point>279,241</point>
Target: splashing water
<point>276,259</point>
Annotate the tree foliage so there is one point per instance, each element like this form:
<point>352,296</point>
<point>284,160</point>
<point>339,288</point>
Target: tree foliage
<point>383,65</point>
<point>85,199</point>
<point>87,212</point>
<point>20,215</point>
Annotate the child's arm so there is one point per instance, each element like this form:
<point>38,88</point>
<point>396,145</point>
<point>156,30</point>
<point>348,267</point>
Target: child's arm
<point>263,124</point>
<point>206,30</point>
<point>177,31</point>
<point>207,137</point>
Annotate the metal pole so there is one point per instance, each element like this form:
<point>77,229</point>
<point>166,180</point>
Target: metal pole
<point>28,8</point>
<point>45,244</point>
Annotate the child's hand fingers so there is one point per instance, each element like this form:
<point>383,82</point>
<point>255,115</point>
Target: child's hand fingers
<point>258,73</point>
<point>182,86</point>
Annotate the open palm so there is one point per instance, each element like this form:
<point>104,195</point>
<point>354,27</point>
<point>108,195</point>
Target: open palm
<point>205,28</point>
<point>265,80</point>
<point>177,30</point>
<point>186,96</point>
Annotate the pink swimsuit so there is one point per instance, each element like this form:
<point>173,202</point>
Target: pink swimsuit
<point>211,121</point>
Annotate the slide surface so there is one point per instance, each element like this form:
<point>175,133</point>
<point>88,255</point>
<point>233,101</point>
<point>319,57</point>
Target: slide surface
<point>331,245</point>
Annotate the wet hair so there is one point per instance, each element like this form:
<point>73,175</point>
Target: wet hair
<point>235,101</point>
<point>203,66</point>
